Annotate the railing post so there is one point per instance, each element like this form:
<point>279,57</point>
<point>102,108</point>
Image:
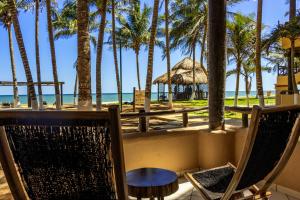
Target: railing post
<point>142,121</point>
<point>245,120</point>
<point>185,119</point>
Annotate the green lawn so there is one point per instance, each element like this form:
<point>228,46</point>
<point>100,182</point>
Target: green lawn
<point>228,102</point>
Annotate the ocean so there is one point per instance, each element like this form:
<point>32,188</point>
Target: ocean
<point>106,97</point>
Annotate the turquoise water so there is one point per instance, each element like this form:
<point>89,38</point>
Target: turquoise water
<point>106,97</point>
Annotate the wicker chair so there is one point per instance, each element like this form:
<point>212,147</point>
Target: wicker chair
<point>272,137</point>
<point>63,155</point>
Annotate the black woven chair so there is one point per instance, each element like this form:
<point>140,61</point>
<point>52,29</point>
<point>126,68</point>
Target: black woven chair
<point>272,137</point>
<point>63,155</point>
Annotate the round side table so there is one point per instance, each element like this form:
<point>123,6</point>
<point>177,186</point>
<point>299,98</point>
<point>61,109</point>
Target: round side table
<point>151,183</point>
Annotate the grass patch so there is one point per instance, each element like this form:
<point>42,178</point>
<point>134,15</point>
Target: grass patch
<point>228,102</point>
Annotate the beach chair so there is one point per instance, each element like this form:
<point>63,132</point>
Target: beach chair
<point>272,137</point>
<point>63,155</point>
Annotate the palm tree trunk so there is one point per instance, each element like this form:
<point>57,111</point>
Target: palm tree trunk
<point>20,41</point>
<point>84,58</point>
<point>75,88</point>
<point>259,83</point>
<point>194,73</point>
<point>150,56</point>
<point>99,55</point>
<point>217,67</point>
<point>138,68</point>
<point>203,45</point>
<point>37,54</point>
<point>204,38</point>
<point>168,54</point>
<point>247,88</point>
<point>53,56</point>
<point>115,50</point>
<point>237,83</point>
<point>13,67</point>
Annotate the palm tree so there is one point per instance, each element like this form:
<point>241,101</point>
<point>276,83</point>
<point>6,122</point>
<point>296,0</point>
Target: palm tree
<point>135,31</point>
<point>65,26</point>
<point>102,11</point>
<point>168,53</point>
<point>150,56</point>
<point>37,53</point>
<point>241,37</point>
<point>113,32</point>
<point>84,59</point>
<point>259,83</point>
<point>53,56</point>
<point>31,90</point>
<point>186,28</point>
<point>6,20</point>
<point>289,30</point>
<point>248,72</point>
<point>217,67</point>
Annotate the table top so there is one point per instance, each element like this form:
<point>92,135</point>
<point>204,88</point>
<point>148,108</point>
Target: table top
<point>147,182</point>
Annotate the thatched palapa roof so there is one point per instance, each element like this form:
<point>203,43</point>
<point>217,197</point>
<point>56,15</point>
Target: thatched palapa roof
<point>182,73</point>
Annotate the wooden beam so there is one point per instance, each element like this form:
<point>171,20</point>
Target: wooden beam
<point>44,83</point>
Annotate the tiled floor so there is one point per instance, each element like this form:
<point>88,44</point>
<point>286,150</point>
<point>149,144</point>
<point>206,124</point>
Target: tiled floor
<point>185,192</point>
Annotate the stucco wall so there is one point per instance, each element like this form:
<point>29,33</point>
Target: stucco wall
<point>176,152</point>
<point>184,150</point>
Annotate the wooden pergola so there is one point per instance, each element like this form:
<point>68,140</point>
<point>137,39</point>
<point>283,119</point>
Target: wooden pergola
<point>24,84</point>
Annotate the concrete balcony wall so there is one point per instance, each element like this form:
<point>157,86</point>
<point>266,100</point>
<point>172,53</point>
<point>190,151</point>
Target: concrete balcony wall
<point>183,150</point>
<point>176,151</point>
<point>215,149</point>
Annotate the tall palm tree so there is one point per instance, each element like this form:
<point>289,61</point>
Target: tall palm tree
<point>248,72</point>
<point>168,53</point>
<point>37,53</point>
<point>150,56</point>
<point>53,56</point>
<point>102,10</point>
<point>217,67</point>
<point>65,26</point>
<point>84,59</point>
<point>135,31</point>
<point>204,38</point>
<point>6,21</point>
<point>241,37</point>
<point>31,90</point>
<point>113,32</point>
<point>259,83</point>
<point>186,28</point>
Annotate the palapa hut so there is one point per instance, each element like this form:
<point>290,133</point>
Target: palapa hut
<point>182,81</point>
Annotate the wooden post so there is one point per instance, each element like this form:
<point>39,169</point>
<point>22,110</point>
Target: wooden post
<point>61,94</point>
<point>245,120</point>
<point>185,119</point>
<point>142,122</point>
<point>133,102</point>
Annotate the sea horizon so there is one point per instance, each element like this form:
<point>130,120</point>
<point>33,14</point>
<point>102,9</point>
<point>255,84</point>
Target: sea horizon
<point>106,97</point>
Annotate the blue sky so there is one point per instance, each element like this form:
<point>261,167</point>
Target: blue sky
<point>66,51</point>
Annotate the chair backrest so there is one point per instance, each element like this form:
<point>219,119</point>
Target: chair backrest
<point>273,132</point>
<point>67,154</point>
